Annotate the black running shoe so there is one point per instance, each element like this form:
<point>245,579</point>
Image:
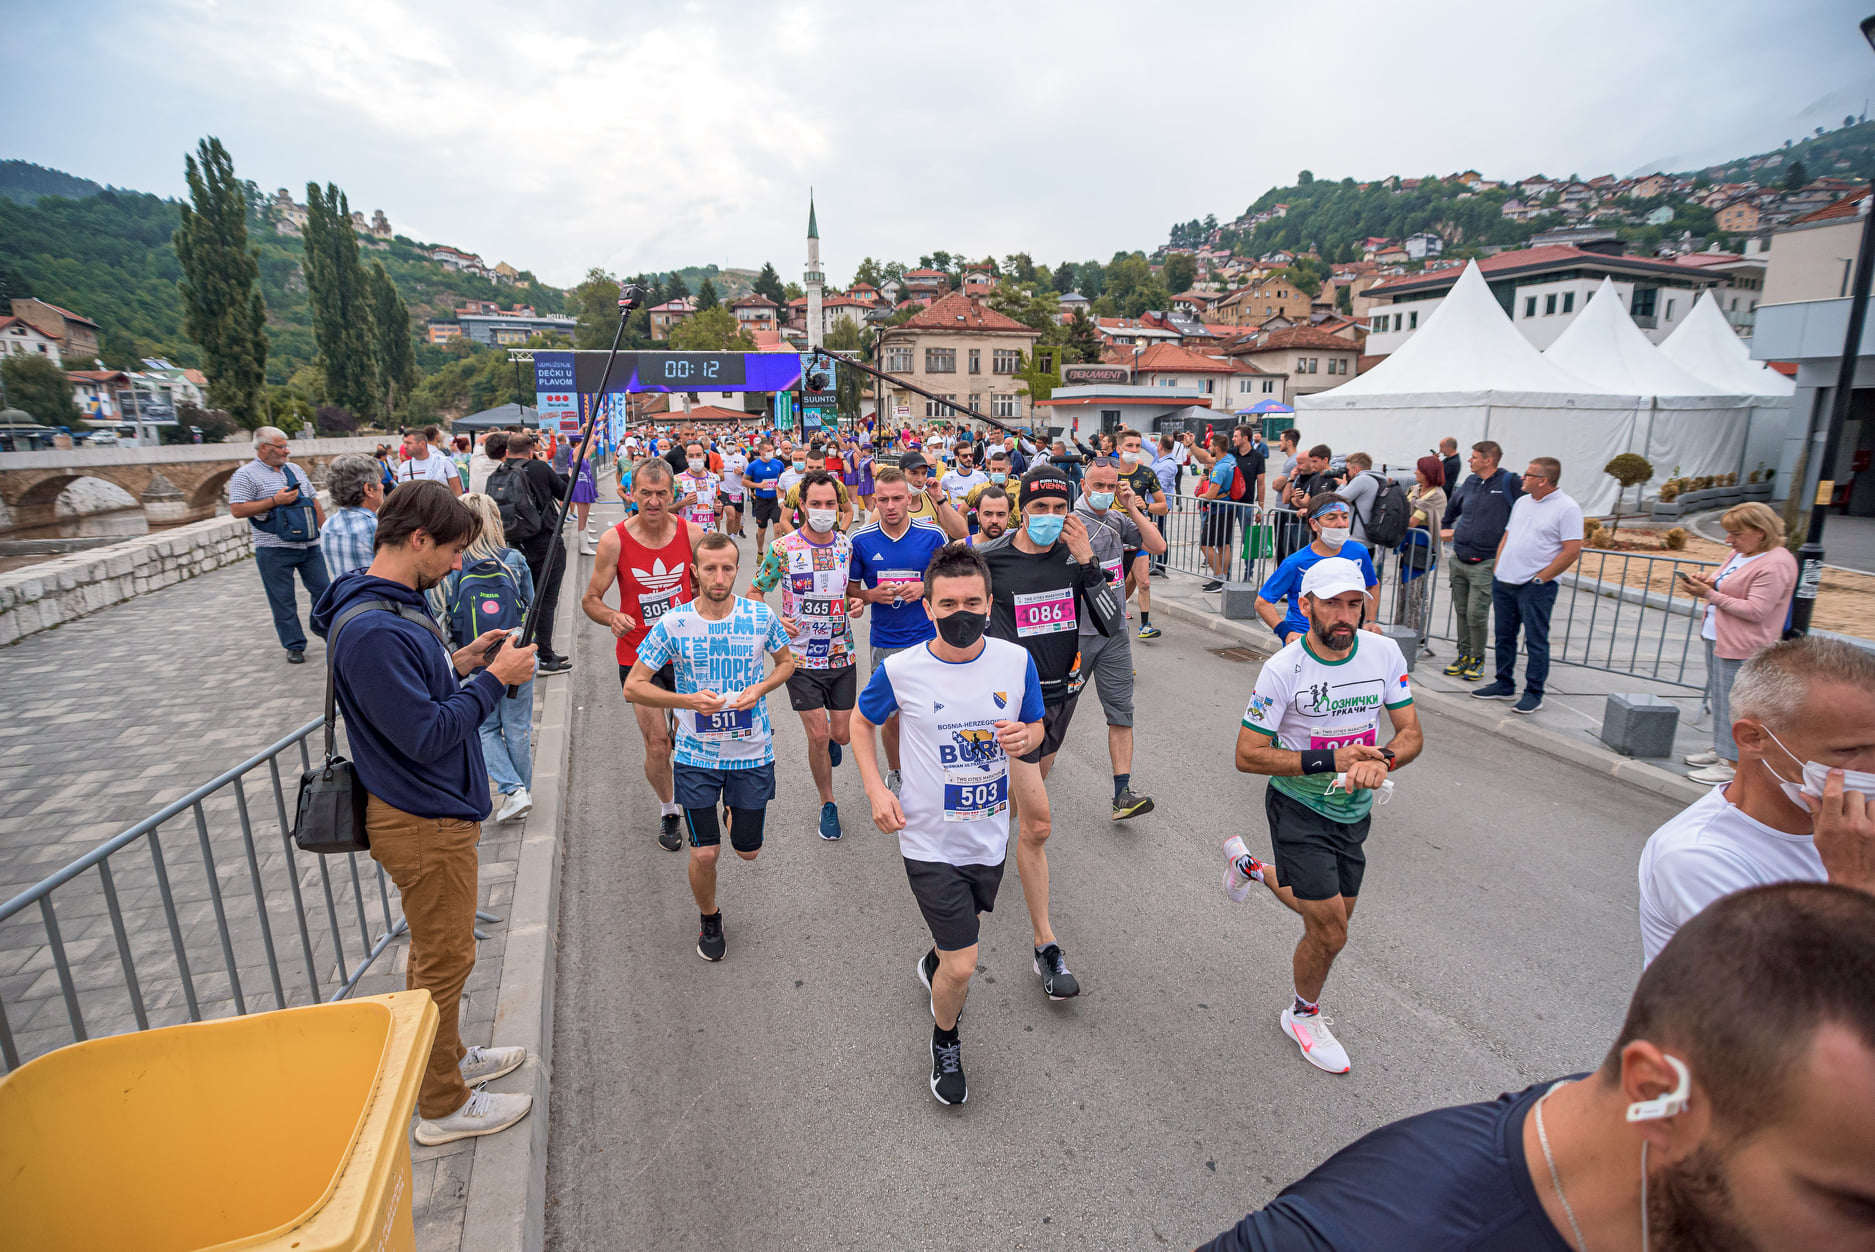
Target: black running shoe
<point>927,968</point>
<point>1057,982</point>
<point>671,836</point>
<point>1215,584</point>
<point>947,1070</point>
<point>710,942</point>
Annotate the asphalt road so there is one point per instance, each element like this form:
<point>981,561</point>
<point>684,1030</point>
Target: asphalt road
<point>780,1100</point>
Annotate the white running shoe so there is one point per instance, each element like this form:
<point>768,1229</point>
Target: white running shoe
<point>484,1114</point>
<point>1238,876</point>
<point>487,1064</point>
<point>1708,757</point>
<point>519,805</point>
<point>1318,1043</point>
<point>586,547</point>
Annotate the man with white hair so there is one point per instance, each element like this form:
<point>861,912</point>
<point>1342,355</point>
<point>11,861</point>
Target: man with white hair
<point>1801,806</point>
<point>357,492</point>
<point>276,498</point>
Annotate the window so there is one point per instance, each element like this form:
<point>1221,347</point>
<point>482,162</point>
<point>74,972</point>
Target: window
<point>1669,310</point>
<point>1412,320</point>
<point>1003,405</point>
<point>1168,382</point>
<point>933,409</point>
<point>898,360</point>
<point>1207,386</point>
<point>1005,360</point>
<point>1549,304</point>
<point>1269,385</point>
<point>1529,307</point>
<point>940,360</point>
<point>976,402</point>
<point>1378,324</point>
<point>1643,302</point>
<point>1243,386</point>
<point>1044,360</point>
<point>1315,364</point>
<point>1568,301</point>
<point>1396,321</point>
<point>976,360</point>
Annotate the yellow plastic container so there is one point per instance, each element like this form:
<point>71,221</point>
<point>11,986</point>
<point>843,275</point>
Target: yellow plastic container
<point>286,1130</point>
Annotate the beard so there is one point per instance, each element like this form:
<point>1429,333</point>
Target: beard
<point>1689,1206</point>
<point>426,581</point>
<point>1338,636</point>
<point>990,532</point>
<point>715,595</point>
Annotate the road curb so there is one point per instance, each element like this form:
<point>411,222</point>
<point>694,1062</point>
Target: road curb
<point>1649,778</point>
<point>507,1201</point>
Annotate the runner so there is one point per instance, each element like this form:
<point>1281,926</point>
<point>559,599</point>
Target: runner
<point>649,556</point>
<point>762,480</point>
<point>1116,535</point>
<point>791,508</point>
<point>1143,481</point>
<point>696,488</point>
<point>968,704</point>
<point>928,499</point>
<point>1325,690</point>
<point>1043,576</point>
<point>735,463</point>
<point>796,457</point>
<point>813,566</point>
<point>964,477</point>
<point>993,508</point>
<point>1279,599</point>
<point>889,557</point>
<point>998,477</point>
<point>725,745</point>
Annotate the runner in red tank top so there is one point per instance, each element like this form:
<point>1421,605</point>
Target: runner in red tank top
<point>649,557</point>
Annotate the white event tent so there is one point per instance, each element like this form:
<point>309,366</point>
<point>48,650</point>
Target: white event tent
<point>1705,345</point>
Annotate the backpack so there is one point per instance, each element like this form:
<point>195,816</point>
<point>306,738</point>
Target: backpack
<point>520,513</point>
<point>483,597</point>
<point>1386,520</point>
<point>1240,486</point>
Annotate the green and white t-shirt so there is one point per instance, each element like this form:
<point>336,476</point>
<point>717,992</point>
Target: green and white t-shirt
<point>1303,702</point>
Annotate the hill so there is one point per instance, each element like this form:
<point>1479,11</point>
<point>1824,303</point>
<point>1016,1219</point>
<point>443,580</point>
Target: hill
<point>1845,153</point>
<point>25,182</point>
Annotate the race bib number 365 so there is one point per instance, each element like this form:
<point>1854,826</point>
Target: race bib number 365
<point>1045,612</point>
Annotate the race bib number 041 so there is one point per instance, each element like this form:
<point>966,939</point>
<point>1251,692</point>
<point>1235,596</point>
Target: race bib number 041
<point>1045,612</point>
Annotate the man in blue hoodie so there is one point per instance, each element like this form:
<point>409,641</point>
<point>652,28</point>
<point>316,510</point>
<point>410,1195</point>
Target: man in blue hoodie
<point>413,728</point>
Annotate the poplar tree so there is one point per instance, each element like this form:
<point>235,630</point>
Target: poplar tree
<point>390,322</point>
<point>341,302</point>
<point>222,306</point>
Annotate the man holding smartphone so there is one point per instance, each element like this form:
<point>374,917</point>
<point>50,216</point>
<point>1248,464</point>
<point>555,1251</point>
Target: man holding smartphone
<point>1543,539</point>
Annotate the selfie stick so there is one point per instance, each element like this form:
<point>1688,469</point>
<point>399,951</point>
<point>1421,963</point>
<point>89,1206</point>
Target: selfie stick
<point>630,296</point>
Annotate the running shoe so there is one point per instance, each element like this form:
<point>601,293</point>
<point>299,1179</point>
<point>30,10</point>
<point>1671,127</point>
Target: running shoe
<point>1723,771</point>
<point>1531,702</point>
<point>553,665</point>
<point>1126,805</point>
<point>1052,965</point>
<point>834,755</point>
<point>1318,1043</point>
<point>710,942</point>
<point>1216,584</point>
<point>1499,690</point>
<point>480,1065</point>
<point>892,781</point>
<point>1240,870</point>
<point>1708,757</point>
<point>947,1070</point>
<point>1474,669</point>
<point>1150,631</point>
<point>830,821</point>
<point>1457,667</point>
<point>670,832</point>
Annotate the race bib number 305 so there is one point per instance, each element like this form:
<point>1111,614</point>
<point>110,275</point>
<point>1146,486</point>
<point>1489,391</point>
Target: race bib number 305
<point>1045,612</point>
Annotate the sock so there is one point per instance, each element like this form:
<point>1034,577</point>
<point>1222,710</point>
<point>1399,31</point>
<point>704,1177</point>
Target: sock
<point>945,1036</point>
<point>1120,782</point>
<point>1145,617</point>
<point>666,810</point>
<point>1304,1007</point>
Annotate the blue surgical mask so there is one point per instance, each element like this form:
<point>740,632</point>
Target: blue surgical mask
<point>1045,528</point>
<point>997,476</point>
<point>799,466</point>
<point>1100,501</point>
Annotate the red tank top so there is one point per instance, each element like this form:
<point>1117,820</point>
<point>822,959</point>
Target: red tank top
<point>652,582</point>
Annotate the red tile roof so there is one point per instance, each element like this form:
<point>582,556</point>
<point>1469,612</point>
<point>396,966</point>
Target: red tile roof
<point>755,299</point>
<point>717,413</point>
<point>959,312</point>
<point>1296,337</point>
<point>1169,357</point>
<point>926,274</point>
<point>1845,207</point>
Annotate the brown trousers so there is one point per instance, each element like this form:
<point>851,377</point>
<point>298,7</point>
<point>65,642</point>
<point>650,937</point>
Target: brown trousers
<point>433,862</point>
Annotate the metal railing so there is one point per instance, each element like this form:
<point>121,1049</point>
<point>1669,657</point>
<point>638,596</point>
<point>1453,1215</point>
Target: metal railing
<point>169,921</point>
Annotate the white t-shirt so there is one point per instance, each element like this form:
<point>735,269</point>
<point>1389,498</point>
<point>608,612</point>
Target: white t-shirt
<point>704,484</point>
<point>955,776</point>
<point>957,484</point>
<point>725,656</point>
<point>734,463</point>
<point>1709,629</point>
<point>435,467</point>
<point>1709,851</point>
<point>1538,529</point>
<point>789,477</point>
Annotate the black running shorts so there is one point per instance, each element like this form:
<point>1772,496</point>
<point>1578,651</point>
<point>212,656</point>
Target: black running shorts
<point>1317,857</point>
<point>951,896</point>
<point>665,678</point>
<point>834,689</point>
<point>765,510</point>
<point>1216,529</point>
<point>1055,719</point>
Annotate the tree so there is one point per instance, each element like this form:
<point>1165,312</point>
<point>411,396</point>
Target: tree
<point>36,385</point>
<point>598,310</point>
<point>1180,272</point>
<point>707,297</point>
<point>1021,265</point>
<point>1064,278</point>
<point>1090,279</point>
<point>1630,469</point>
<point>222,306</point>
<point>793,291</point>
<point>1126,273</point>
<point>768,283</point>
<point>1304,178</point>
<point>868,273</point>
<point>675,288</point>
<point>341,303</point>
<point>390,325</point>
<point>215,424</point>
<point>711,330</point>
<point>1796,176</point>
<point>1083,346</point>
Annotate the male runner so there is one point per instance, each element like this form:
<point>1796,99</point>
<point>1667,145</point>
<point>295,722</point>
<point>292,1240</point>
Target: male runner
<point>1116,533</point>
<point>697,487</point>
<point>889,557</point>
<point>1312,728</point>
<point>762,478</point>
<point>1143,481</point>
<point>998,477</point>
<point>650,556</point>
<point>993,508</point>
<point>725,746</point>
<point>791,501</point>
<point>928,499</point>
<point>796,457</point>
<point>813,566</point>
<point>735,462</point>
<point>964,477</point>
<point>968,704</point>
<point>1043,577</point>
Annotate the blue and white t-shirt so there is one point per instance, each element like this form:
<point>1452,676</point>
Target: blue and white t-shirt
<point>879,558</point>
<point>955,776</point>
<point>725,656</point>
<point>1286,582</point>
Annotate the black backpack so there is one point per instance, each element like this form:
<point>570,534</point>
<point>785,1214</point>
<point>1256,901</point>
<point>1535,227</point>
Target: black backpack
<point>1386,520</point>
<point>520,513</point>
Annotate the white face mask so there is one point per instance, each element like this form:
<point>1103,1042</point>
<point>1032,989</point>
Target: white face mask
<point>1335,536</point>
<point>1132,458</point>
<point>821,520</point>
<point>1815,775</point>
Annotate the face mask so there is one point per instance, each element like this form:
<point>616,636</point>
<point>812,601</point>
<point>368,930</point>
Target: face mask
<point>1814,776</point>
<point>800,467</point>
<point>1132,458</point>
<point>962,628</point>
<point>821,520</point>
<point>1045,528</point>
<point>1335,536</point>
<point>998,477</point>
<point>1100,501</point>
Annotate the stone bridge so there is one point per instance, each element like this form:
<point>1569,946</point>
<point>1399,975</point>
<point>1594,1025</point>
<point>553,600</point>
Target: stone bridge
<point>177,483</point>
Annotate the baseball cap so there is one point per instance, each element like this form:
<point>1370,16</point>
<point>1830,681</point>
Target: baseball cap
<point>913,461</point>
<point>1332,576</point>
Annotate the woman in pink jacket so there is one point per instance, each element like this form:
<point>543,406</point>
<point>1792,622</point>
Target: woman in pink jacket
<point>1746,602</point>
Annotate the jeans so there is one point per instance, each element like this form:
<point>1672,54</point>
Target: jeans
<point>1471,603</point>
<point>276,575</point>
<point>546,590</point>
<point>505,732</point>
<point>1720,675</point>
<point>1527,605</point>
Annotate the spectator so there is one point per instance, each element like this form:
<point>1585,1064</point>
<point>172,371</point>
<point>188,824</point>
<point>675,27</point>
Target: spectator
<point>388,475</point>
<point>1166,466</point>
<point>460,457</point>
<point>487,459</point>
<point>1287,445</point>
<point>421,462</point>
<point>544,486</point>
<point>1313,475</point>
<point>256,489</point>
<point>491,592</point>
<point>1217,515</point>
<point>1069,463</point>
<point>412,728</point>
<point>1799,809</point>
<point>1475,517</point>
<point>357,495</point>
<point>1362,486</point>
<point>1543,539</point>
<point>1745,606</point>
<point>1448,457</point>
<point>1279,599</point>
<point>1419,551</point>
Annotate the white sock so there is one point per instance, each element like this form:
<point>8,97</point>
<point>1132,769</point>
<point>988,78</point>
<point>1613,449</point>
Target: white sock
<point>670,807</point>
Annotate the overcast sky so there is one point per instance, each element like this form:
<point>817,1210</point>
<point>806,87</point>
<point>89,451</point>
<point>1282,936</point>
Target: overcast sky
<point>557,135</point>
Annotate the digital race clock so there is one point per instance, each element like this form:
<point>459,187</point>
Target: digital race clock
<point>691,371</point>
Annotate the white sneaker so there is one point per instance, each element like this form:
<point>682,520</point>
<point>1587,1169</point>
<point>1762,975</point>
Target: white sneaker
<point>519,804</point>
<point>1722,772</point>
<point>1236,880</point>
<point>586,547</point>
<point>487,1064</point>
<point>892,781</point>
<point>484,1114</point>
<point>1318,1044</point>
<point>1702,758</point>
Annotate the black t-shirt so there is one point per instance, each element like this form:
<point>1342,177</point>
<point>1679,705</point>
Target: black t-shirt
<point>1036,600</point>
<point>1251,464</point>
<point>1143,481</point>
<point>545,484</point>
<point>1452,1180</point>
<point>678,459</point>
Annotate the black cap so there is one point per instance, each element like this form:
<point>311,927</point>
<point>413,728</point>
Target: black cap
<point>1043,480</point>
<point>913,461</point>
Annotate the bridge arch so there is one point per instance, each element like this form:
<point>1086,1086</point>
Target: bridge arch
<point>208,493</point>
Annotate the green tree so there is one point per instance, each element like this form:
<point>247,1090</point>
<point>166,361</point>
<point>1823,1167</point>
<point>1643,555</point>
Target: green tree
<point>793,291</point>
<point>222,306</point>
<point>1304,178</point>
<point>1021,266</point>
<point>597,322</point>
<point>711,330</point>
<point>390,324</point>
<point>35,384</point>
<point>849,384</point>
<point>1796,176</point>
<point>1179,272</point>
<point>341,302</point>
<point>707,297</point>
<point>1083,344</point>
<point>675,288</point>
<point>1064,279</point>
<point>868,273</point>
<point>1092,279</point>
<point>1127,272</point>
<point>768,283</point>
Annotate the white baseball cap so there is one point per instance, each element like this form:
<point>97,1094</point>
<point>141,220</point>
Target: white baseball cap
<point>1332,576</point>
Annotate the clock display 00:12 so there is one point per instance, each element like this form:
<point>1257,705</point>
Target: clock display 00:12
<point>688,371</point>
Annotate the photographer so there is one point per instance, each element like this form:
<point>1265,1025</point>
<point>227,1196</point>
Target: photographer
<point>414,731</point>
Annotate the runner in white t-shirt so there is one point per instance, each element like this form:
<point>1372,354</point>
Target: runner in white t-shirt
<point>735,462</point>
<point>965,705</point>
<point>1313,728</point>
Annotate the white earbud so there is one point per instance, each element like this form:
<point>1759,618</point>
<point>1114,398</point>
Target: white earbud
<point>1669,1105</point>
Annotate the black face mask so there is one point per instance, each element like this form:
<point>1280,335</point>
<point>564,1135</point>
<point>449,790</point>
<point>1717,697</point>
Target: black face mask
<point>962,629</point>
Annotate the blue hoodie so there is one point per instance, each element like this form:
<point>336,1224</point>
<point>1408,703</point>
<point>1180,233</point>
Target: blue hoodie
<point>412,726</point>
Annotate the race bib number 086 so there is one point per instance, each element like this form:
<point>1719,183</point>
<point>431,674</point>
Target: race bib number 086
<point>1045,612</point>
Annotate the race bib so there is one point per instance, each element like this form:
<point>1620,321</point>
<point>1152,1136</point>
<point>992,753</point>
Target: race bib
<point>820,615</point>
<point>899,576</point>
<point>655,604</point>
<point>976,799</point>
<point>1332,737</point>
<point>1044,612</point>
<point>1114,573</point>
<point>726,724</point>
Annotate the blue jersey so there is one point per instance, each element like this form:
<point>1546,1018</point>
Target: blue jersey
<point>1286,582</point>
<point>725,657</point>
<point>879,558</point>
<point>765,472</point>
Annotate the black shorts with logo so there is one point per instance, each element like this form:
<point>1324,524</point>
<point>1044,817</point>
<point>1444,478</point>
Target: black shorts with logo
<point>766,510</point>
<point>951,896</point>
<point>835,689</point>
<point>1055,719</point>
<point>1317,857</point>
<point>665,677</point>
